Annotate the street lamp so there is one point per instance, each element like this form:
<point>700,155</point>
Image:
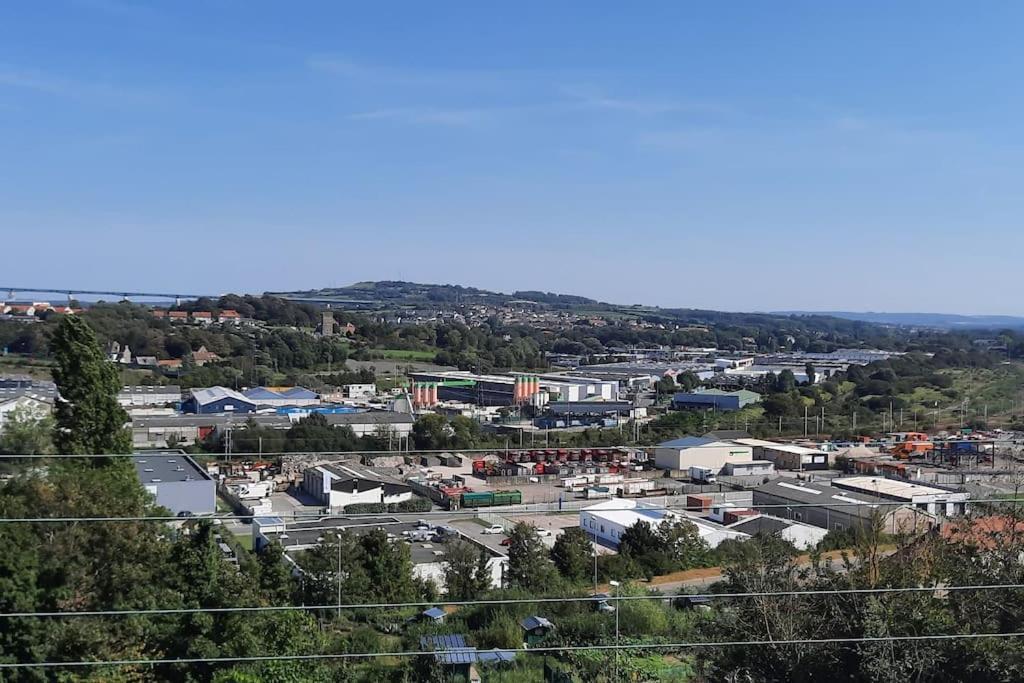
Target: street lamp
<point>615,585</point>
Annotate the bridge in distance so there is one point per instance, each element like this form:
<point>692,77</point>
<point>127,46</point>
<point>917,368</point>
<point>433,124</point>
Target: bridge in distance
<point>178,297</point>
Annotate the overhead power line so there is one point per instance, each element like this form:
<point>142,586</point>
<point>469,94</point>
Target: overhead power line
<point>532,650</point>
<point>508,601</point>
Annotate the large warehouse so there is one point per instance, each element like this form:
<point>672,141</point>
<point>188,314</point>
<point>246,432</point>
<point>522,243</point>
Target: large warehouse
<point>698,451</point>
<point>177,482</point>
<point>501,390</point>
<point>837,509</point>
<point>714,399</point>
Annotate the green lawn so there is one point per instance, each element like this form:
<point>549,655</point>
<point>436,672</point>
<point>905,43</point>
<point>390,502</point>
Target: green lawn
<point>403,354</point>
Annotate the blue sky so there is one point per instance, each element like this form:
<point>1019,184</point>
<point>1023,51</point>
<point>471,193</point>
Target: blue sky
<point>740,156</point>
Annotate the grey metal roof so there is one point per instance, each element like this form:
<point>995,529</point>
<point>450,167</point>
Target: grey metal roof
<point>211,394</point>
<point>369,417</point>
<point>434,613</point>
<point>727,434</point>
<point>762,524</point>
<point>686,442</point>
<point>530,623</point>
<point>158,468</point>
<point>804,492</point>
<point>152,389</point>
<point>275,421</point>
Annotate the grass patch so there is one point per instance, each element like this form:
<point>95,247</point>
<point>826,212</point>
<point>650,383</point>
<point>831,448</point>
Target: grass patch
<point>403,354</point>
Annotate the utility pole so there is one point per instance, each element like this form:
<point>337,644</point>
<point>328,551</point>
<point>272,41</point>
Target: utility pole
<point>339,575</point>
<point>805,421</point>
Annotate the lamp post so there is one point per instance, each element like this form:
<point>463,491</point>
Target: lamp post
<point>615,585</point>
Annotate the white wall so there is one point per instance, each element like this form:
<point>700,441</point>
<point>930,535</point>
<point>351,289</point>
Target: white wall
<point>434,571</point>
<point>804,536</point>
<point>713,456</point>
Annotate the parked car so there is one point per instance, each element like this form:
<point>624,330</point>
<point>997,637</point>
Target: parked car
<point>506,541</point>
<point>494,529</point>
<point>544,533</point>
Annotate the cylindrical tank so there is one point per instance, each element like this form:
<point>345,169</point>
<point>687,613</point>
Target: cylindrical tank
<point>433,393</point>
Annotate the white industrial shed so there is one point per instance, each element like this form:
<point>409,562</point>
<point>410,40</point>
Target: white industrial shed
<point>696,451</point>
<point>607,521</point>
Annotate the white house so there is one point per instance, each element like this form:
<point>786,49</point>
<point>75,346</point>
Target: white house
<point>336,487</point>
<point>698,451</point>
<point>608,520</point>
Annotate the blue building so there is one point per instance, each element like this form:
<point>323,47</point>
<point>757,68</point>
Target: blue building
<point>714,399</point>
<point>217,400</point>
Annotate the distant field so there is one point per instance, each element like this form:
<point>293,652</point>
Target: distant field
<point>402,354</point>
<point>23,365</point>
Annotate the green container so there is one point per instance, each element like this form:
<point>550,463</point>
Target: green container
<point>508,497</point>
<point>477,500</point>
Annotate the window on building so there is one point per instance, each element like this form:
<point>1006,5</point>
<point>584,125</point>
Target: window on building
<point>602,528</point>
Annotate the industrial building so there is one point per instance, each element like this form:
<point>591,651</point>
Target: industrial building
<point>279,397</point>
<point>374,422</point>
<point>427,556</point>
<point>508,390</point>
<point>217,400</point>
<point>154,432</point>
<point>802,536</point>
<point>336,486</point>
<point>932,499</point>
<point>697,451</point>
<point>608,520</point>
<point>149,395</point>
<point>787,456</point>
<point>714,399</point>
<point>177,482</point>
<point>837,509</point>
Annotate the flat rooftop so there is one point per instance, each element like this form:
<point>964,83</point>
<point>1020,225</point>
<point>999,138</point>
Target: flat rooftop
<point>155,468</point>
<point>302,535</point>
<point>890,487</point>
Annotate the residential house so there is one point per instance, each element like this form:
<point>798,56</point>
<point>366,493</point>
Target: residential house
<point>177,316</point>
<point>229,316</point>
<point>202,317</point>
<point>202,356</point>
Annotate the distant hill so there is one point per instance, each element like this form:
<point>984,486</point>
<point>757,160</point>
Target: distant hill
<point>397,292</point>
<point>945,321</point>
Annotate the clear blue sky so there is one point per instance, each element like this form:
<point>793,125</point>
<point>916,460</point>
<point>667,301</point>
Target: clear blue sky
<point>741,156</point>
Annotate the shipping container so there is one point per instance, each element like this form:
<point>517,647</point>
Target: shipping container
<point>507,498</point>
<point>477,499</point>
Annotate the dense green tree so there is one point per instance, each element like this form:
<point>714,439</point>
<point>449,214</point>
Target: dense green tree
<point>88,417</point>
<point>431,432</point>
<point>275,578</point>
<point>466,574</point>
<point>573,554</point>
<point>528,564</point>
<point>682,542</point>
<point>27,432</point>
